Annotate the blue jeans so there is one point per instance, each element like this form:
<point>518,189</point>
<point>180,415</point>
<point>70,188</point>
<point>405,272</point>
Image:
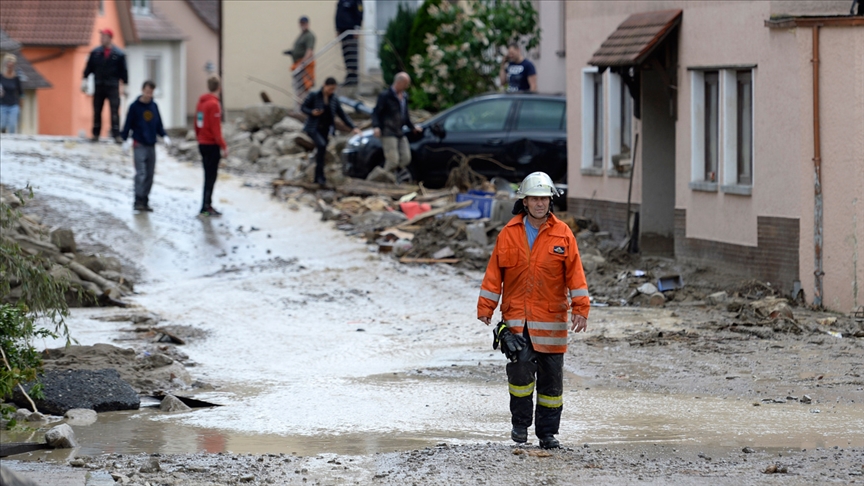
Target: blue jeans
<point>145,166</point>
<point>9,118</point>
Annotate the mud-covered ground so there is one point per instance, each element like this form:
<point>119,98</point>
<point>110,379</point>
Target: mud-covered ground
<point>689,393</point>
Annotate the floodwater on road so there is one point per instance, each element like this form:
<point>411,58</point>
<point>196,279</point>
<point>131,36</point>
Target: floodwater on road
<point>315,344</point>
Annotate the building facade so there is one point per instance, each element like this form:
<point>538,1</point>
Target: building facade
<point>721,96</point>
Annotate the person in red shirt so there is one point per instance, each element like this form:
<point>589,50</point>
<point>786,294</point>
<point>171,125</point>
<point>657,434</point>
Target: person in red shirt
<point>208,129</point>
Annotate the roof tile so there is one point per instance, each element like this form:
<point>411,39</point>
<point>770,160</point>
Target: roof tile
<point>49,22</point>
<point>208,10</point>
<point>633,40</point>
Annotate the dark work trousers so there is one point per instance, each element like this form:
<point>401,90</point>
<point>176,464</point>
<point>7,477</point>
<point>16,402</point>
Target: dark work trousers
<point>210,156</point>
<point>145,167</point>
<point>320,139</point>
<point>112,94</point>
<point>350,55</point>
<point>547,371</point>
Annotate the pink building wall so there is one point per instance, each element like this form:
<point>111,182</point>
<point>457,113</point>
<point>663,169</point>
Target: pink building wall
<point>734,33</point>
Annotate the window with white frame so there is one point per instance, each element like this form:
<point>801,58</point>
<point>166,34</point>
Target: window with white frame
<point>721,115</point>
<point>141,7</point>
<point>153,69</point>
<point>592,121</point>
<point>744,118</point>
<point>620,123</point>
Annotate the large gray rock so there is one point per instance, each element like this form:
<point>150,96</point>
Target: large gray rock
<point>100,390</point>
<point>80,416</point>
<point>270,147</point>
<point>99,263</point>
<point>60,272</point>
<point>173,404</point>
<point>64,239</point>
<point>290,167</point>
<point>288,124</point>
<point>263,116</point>
<point>61,437</point>
<point>288,145</point>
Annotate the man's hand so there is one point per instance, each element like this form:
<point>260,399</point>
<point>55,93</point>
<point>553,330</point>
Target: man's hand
<point>579,323</point>
<point>225,153</point>
<point>84,85</point>
<point>126,144</point>
<point>166,140</point>
<point>355,131</point>
<point>317,112</point>
<point>377,133</point>
<point>418,129</point>
<point>485,320</point>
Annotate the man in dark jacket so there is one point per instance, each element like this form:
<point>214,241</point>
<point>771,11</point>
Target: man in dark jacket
<point>322,107</point>
<point>145,123</point>
<point>108,64</point>
<point>349,16</point>
<point>388,118</point>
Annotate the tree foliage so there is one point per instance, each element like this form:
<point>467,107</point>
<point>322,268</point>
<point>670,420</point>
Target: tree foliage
<point>39,312</point>
<point>464,46</point>
<point>393,52</point>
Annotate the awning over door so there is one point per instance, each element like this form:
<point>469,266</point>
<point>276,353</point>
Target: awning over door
<point>635,39</point>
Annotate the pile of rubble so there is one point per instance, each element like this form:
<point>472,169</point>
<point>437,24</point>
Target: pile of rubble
<point>91,279</point>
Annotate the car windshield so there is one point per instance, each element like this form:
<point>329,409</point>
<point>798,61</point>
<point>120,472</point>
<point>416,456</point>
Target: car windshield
<point>483,116</point>
<point>540,115</point>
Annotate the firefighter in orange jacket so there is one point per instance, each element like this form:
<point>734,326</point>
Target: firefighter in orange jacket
<point>536,267</point>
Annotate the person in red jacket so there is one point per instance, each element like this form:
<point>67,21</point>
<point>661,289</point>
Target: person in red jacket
<point>208,129</point>
<point>534,270</point>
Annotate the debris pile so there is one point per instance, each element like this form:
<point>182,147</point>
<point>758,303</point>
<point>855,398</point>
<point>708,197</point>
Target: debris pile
<point>91,279</point>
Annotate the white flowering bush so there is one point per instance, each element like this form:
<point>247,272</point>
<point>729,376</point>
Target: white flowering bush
<point>464,54</point>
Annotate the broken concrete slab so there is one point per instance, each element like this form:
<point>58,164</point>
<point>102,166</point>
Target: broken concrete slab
<point>99,390</point>
<point>172,404</point>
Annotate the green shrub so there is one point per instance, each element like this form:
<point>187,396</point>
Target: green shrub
<point>394,46</point>
<point>464,47</point>
<point>38,313</point>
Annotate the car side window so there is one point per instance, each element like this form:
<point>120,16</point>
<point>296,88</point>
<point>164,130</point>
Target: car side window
<point>541,115</point>
<point>483,116</point>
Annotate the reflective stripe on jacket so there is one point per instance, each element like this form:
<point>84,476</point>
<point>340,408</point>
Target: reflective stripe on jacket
<point>536,283</point>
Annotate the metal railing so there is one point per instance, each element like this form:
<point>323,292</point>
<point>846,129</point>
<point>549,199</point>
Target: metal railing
<point>349,56</point>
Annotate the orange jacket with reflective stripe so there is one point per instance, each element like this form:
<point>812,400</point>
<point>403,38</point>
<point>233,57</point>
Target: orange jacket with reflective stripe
<point>536,283</point>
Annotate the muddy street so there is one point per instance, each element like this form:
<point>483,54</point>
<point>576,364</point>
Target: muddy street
<point>338,365</point>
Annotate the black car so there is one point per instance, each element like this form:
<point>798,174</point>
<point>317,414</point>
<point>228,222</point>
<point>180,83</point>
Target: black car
<point>522,131</point>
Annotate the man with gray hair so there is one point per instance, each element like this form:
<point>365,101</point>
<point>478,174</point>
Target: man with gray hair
<point>388,118</point>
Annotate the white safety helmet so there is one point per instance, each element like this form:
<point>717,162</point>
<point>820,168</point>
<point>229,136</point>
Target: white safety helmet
<point>537,184</point>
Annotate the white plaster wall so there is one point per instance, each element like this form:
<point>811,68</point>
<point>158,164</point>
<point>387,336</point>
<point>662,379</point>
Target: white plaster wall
<point>202,46</point>
<point>551,67</point>
<point>842,118</point>
<point>170,89</point>
<point>810,7</point>
<point>255,32</point>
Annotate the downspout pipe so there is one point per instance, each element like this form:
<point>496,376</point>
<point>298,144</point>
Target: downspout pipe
<point>817,174</point>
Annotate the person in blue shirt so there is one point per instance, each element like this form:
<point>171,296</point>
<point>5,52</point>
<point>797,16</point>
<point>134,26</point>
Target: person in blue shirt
<point>145,123</point>
<point>518,73</point>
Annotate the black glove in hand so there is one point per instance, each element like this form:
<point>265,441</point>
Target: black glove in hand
<point>510,343</point>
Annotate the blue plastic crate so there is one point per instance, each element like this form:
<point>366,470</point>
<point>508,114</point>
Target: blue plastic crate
<point>480,201</point>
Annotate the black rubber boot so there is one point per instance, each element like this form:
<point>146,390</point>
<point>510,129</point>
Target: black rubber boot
<point>519,434</point>
<point>549,442</point>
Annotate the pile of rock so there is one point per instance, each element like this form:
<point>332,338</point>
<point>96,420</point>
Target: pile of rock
<point>91,279</point>
<point>269,139</point>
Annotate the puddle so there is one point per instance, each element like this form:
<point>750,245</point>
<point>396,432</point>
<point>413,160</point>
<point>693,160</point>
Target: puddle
<point>305,329</point>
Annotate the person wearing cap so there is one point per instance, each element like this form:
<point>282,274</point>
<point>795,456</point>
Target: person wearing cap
<point>534,270</point>
<point>108,65</point>
<point>304,48</point>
